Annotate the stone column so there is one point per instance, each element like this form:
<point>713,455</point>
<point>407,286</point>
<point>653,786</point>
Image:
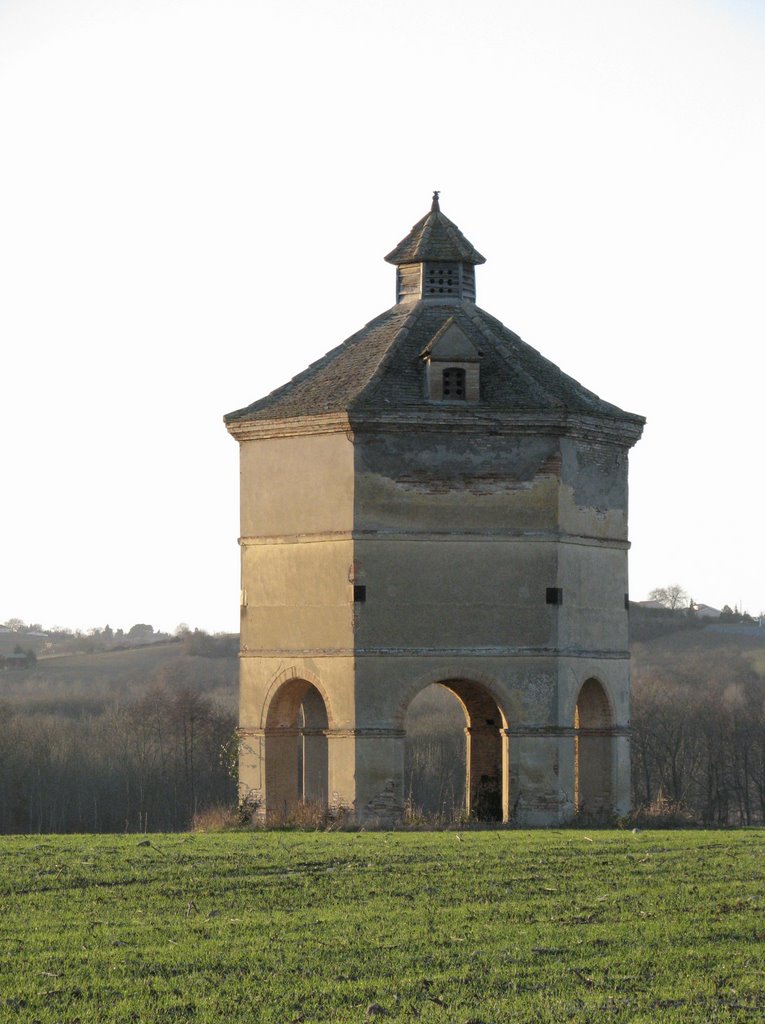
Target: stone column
<point>483,778</point>
<point>567,772</point>
<point>621,772</point>
<point>507,775</point>
<point>380,775</point>
<point>282,791</point>
<point>539,799</point>
<point>252,784</point>
<point>315,767</point>
<point>594,764</point>
<point>341,758</point>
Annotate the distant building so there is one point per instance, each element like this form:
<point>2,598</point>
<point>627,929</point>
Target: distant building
<point>433,501</point>
<point>705,611</point>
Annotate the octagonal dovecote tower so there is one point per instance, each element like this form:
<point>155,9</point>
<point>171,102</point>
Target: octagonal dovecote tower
<point>433,501</point>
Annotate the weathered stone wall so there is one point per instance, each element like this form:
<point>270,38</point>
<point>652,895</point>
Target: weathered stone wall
<point>593,489</point>
<point>455,539</point>
<point>297,613</point>
<point>296,520</point>
<point>298,596</point>
<point>460,482</point>
<point>424,593</point>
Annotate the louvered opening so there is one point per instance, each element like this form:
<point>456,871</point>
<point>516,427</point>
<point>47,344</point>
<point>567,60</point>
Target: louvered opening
<point>441,280</point>
<point>454,383</point>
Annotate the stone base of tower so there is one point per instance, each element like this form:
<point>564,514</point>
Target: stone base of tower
<point>546,739</point>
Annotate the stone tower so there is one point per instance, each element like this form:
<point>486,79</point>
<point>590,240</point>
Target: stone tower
<point>433,501</point>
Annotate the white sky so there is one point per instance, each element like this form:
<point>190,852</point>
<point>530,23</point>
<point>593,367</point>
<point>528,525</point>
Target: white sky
<point>195,201</point>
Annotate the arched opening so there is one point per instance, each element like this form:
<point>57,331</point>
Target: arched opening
<point>593,740</point>
<point>456,753</point>
<point>296,761</point>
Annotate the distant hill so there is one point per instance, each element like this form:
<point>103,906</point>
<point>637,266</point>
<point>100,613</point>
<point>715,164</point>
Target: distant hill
<point>663,636</point>
<point>73,684</point>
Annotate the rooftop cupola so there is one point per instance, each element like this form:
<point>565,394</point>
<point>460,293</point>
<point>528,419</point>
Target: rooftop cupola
<point>435,261</point>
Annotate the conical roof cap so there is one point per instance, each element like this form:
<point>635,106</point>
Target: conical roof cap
<point>435,237</point>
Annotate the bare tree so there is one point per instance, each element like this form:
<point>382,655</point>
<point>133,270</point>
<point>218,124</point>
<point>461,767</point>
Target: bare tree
<point>671,596</point>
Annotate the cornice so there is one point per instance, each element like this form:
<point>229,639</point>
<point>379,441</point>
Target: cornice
<point>622,433</point>
<point>490,422</point>
<point>463,536</point>
<point>298,426</point>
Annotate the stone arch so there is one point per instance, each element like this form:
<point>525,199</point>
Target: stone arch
<point>486,757</point>
<point>296,723</point>
<point>293,673</point>
<point>593,751</point>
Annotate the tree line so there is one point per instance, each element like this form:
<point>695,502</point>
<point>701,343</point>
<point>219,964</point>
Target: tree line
<point>149,764</point>
<point>75,759</point>
<point>698,740</point>
<point>153,763</point>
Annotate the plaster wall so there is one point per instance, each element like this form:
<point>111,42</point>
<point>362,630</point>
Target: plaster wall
<point>298,596</point>
<point>455,593</point>
<point>297,605</point>
<point>593,615</point>
<point>296,485</point>
<point>524,688</point>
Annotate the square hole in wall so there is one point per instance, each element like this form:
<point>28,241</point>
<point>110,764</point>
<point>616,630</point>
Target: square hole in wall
<point>359,593</point>
<point>554,595</point>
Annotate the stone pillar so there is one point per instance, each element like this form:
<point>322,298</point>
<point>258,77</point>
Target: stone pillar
<point>380,775</point>
<point>315,782</point>
<point>513,748</point>
<point>252,784</point>
<point>621,772</point>
<point>507,775</point>
<point>539,800</point>
<point>341,758</point>
<point>282,791</point>
<point>567,773</point>
<point>594,764</point>
<point>483,778</point>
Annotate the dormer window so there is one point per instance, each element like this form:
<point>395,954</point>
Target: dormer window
<point>452,365</point>
<point>453,382</point>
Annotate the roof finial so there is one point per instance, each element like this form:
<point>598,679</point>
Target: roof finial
<point>435,205</point>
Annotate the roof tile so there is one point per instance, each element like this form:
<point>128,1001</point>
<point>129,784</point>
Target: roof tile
<point>435,237</point>
<point>380,368</point>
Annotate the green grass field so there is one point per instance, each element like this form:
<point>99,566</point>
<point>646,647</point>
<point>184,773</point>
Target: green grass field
<point>443,927</point>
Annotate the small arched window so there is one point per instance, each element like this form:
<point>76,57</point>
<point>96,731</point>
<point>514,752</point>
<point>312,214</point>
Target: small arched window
<point>454,382</point>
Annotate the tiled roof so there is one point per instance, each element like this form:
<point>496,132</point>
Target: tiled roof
<point>380,369</point>
<point>435,237</point>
